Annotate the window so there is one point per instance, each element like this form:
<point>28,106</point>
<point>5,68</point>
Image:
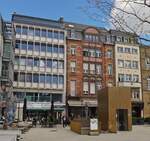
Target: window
<point>98,69</point>
<point>61,49</point>
<point>119,39</point>
<point>43,33</point>
<point>37,32</point>
<point>50,34</point>
<point>127,50</point>
<point>148,83</point>
<point>30,61</point>
<point>61,79</point>
<point>55,34</point>
<point>22,61</point>
<point>92,88</point>
<point>17,60</point>
<point>134,51</point>
<point>85,88</point>
<point>126,40</point>
<point>109,54</point>
<point>15,76</point>
<point>49,48</point>
<point>55,79</point>
<point>120,49</point>
<point>37,47</point>
<point>44,97</point>
<point>35,78</point>
<point>29,78</point>
<point>110,69</point>
<point>92,68</point>
<point>43,47</point>
<point>73,88</point>
<point>135,78</point>
<point>61,64</point>
<point>42,63</point>
<point>31,31</point>
<point>24,30</point>
<point>135,64</point>
<point>55,49</point>
<point>49,63</point>
<point>85,67</point>
<point>57,97</point>
<point>120,63</point>
<point>120,77</point>
<point>147,62</point>
<point>17,46</point>
<point>127,64</point>
<point>22,77</point>
<point>135,93</point>
<point>98,53</point>
<point>48,79</point>
<point>73,66</point>
<point>24,45</point>
<point>30,46</point>
<point>92,52</point>
<point>61,36</point>
<point>18,29</point>
<point>85,52</point>
<point>128,77</point>
<point>55,64</point>
<point>73,50</point>
<point>98,85</point>
<point>36,62</point>
<point>42,78</point>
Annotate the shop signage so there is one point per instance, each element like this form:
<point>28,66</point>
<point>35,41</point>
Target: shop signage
<point>93,124</point>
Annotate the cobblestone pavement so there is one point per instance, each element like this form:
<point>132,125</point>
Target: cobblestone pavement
<point>139,133</point>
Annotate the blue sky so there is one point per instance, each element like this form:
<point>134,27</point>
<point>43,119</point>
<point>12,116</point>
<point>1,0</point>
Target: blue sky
<point>51,9</point>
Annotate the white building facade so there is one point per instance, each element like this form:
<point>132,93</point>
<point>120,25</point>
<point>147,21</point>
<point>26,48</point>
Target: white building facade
<point>40,65</point>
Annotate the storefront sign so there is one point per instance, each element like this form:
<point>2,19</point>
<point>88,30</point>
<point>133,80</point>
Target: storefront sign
<point>93,124</point>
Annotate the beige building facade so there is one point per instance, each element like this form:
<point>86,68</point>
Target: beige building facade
<point>128,73</point>
<point>145,70</point>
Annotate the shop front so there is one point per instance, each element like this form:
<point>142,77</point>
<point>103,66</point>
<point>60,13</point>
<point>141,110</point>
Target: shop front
<point>39,110</point>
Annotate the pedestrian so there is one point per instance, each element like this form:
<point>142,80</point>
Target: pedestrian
<point>64,121</point>
<point>34,122</point>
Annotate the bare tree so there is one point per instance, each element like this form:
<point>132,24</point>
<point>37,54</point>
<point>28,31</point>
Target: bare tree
<point>125,15</point>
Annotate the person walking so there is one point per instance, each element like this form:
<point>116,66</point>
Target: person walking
<point>64,121</point>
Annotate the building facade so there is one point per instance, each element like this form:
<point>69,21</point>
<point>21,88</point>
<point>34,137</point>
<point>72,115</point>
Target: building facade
<point>40,65</point>
<point>7,103</point>
<point>89,67</point>
<point>145,70</point>
<point>128,70</point>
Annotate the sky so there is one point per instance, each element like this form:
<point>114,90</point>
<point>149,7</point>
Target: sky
<point>51,9</point>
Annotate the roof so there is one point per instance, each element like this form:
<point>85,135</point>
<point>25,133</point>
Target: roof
<point>18,18</point>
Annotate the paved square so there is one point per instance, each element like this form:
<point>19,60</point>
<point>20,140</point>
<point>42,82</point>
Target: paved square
<point>139,133</point>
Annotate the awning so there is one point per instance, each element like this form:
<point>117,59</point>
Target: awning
<point>138,104</point>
